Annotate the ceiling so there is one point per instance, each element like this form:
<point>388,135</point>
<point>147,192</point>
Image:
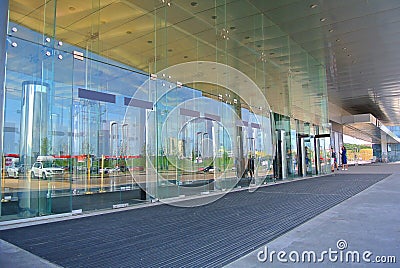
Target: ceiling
<point>354,42</point>
<point>359,43</point>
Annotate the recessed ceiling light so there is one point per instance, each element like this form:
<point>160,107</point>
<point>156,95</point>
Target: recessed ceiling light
<point>194,4</point>
<point>322,19</point>
<point>214,17</point>
<point>167,2</point>
<point>313,6</point>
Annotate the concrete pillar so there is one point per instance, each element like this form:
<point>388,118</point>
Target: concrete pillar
<point>384,147</point>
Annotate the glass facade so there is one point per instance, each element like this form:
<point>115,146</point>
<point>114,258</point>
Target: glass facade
<point>124,102</point>
<point>393,150</point>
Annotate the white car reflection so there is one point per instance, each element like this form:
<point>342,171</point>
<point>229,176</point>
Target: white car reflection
<point>108,170</point>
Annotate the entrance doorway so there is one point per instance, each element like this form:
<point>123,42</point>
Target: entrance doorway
<point>306,155</point>
<point>281,155</point>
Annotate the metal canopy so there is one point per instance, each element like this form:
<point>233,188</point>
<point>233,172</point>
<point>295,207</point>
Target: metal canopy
<point>357,40</point>
<point>368,128</point>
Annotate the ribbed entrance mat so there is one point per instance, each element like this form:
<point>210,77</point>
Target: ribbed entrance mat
<point>207,236</point>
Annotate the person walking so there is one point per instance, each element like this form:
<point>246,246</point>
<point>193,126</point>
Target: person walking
<point>334,163</point>
<point>345,166</point>
<point>250,166</point>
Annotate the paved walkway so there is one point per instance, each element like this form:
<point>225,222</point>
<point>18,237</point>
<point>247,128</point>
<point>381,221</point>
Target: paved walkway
<point>367,221</point>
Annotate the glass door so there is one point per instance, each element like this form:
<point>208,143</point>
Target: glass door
<point>281,156</point>
<point>194,145</point>
<point>107,151</point>
<point>324,154</point>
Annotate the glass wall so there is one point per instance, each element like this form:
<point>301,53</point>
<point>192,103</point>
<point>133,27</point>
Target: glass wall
<point>393,149</point>
<point>302,149</point>
<point>115,103</point>
<point>198,142</point>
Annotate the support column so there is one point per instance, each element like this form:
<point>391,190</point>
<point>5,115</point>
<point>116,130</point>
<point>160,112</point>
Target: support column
<point>384,147</point>
<point>3,45</point>
<point>240,163</point>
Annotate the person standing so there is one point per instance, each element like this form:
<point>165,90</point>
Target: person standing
<point>345,166</point>
<point>307,158</point>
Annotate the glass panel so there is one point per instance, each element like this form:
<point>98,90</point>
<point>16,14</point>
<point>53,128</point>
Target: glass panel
<point>325,156</point>
<point>197,142</point>
<point>309,156</point>
<point>38,126</point>
<point>107,151</point>
<point>293,154</point>
<point>122,136</point>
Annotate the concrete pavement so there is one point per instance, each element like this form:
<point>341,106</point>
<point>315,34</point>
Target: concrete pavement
<point>368,221</point>
<point>14,257</point>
